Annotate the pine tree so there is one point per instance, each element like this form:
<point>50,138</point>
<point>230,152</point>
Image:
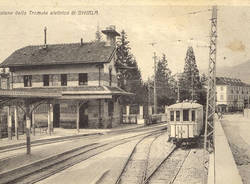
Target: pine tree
<point>164,83</point>
<point>190,79</point>
<point>129,77</point>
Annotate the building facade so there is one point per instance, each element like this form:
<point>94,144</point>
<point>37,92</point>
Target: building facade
<point>232,94</point>
<point>84,74</point>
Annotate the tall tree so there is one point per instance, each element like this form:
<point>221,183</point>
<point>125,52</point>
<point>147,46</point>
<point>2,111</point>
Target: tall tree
<point>129,77</point>
<point>164,86</point>
<point>190,79</point>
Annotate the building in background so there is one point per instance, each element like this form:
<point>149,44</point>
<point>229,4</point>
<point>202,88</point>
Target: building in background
<point>84,74</point>
<point>232,94</point>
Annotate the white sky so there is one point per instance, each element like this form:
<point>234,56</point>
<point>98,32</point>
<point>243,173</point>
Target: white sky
<point>169,25</point>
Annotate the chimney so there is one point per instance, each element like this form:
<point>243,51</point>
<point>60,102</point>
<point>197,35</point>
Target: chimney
<point>45,37</point>
<point>111,34</point>
<point>81,42</point>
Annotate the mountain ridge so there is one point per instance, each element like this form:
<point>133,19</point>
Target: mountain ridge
<point>240,71</point>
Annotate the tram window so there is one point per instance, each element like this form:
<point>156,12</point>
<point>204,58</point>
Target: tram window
<point>177,115</point>
<point>171,115</point>
<point>193,115</point>
<point>185,115</point>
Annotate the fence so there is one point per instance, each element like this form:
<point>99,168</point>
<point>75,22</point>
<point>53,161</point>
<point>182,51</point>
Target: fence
<point>157,118</point>
<point>129,119</point>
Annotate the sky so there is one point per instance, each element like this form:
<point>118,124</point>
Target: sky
<point>173,27</point>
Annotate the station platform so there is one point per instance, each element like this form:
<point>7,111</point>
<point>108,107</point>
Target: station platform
<point>61,133</point>
<point>222,166</point>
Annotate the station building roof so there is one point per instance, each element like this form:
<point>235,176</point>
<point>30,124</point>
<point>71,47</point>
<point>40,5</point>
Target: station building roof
<point>229,81</point>
<point>55,54</point>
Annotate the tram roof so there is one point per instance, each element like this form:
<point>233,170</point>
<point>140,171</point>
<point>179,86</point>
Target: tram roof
<point>185,105</point>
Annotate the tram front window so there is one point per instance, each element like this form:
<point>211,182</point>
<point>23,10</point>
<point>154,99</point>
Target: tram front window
<point>177,115</point>
<point>185,115</point>
<point>193,115</point>
<point>171,115</point>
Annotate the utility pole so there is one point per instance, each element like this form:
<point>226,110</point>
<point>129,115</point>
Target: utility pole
<point>178,86</point>
<point>192,81</point>
<point>149,99</point>
<point>178,92</point>
<point>155,96</point>
<point>211,93</point>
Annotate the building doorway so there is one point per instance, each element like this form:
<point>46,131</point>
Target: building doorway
<point>83,116</point>
<point>56,115</point>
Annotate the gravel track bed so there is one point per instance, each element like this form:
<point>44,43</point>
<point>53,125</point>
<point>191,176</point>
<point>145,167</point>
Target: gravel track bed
<point>134,171</point>
<point>168,170</point>
<point>159,149</point>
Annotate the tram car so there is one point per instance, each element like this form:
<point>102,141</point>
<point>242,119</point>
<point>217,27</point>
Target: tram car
<point>185,122</point>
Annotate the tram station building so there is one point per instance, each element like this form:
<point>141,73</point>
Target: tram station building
<point>232,93</point>
<point>82,75</point>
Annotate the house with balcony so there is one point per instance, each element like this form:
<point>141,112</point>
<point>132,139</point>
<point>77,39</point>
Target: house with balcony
<point>232,94</point>
<point>83,74</point>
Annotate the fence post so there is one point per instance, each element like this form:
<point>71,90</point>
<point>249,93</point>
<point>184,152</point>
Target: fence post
<point>141,112</point>
<point>150,110</point>
<point>33,123</point>
<point>16,123</point>
<point>9,118</point>
<point>77,117</point>
<point>49,118</point>
<point>166,109</point>
<point>127,113</point>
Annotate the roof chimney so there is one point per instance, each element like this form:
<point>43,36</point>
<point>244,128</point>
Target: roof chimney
<point>45,37</point>
<point>111,34</point>
<point>81,42</point>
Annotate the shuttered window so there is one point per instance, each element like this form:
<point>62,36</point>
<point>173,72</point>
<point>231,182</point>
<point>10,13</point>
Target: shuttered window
<point>45,80</point>
<point>83,79</point>
<point>27,80</point>
<point>63,79</point>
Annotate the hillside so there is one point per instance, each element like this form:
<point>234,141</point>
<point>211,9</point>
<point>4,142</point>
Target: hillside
<point>241,71</point>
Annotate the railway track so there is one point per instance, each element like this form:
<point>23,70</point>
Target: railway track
<point>138,159</point>
<point>44,168</point>
<point>42,142</point>
<point>169,168</point>
<point>137,171</point>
